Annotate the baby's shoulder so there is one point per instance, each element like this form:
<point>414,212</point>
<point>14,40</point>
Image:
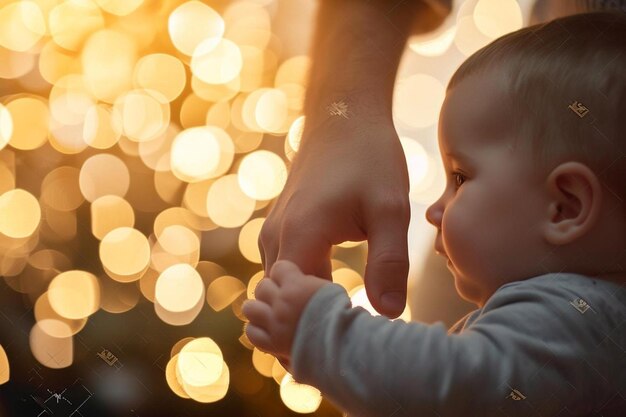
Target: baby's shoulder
<point>560,309</point>
<point>564,291</point>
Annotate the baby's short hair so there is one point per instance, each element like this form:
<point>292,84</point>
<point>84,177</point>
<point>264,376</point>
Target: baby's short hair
<point>566,81</point>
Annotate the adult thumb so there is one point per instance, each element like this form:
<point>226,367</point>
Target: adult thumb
<point>386,272</point>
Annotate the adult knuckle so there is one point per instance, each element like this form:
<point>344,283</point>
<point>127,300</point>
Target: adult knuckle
<point>292,224</point>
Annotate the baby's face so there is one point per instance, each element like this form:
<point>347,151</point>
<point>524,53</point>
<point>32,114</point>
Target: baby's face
<point>488,215</point>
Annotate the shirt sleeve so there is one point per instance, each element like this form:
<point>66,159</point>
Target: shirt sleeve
<point>528,353</point>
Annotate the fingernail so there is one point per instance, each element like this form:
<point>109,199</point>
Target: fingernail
<point>393,302</point>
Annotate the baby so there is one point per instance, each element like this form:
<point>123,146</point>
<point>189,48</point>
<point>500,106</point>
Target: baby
<point>533,225</point>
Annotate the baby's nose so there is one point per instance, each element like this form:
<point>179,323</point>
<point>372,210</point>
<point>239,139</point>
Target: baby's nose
<point>434,214</point>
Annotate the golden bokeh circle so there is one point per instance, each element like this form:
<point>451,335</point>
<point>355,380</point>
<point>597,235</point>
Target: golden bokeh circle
<point>300,398</point>
<point>262,175</point>
<point>74,294</point>
<point>103,174</point>
<point>248,240</point>
<point>200,362</point>
<point>31,121</point>
<point>6,126</point>
<point>179,288</point>
<point>125,254</point>
<point>20,214</point>
<point>193,22</point>
<point>227,204</point>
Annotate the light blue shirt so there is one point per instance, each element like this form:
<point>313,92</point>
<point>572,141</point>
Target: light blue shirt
<point>551,345</point>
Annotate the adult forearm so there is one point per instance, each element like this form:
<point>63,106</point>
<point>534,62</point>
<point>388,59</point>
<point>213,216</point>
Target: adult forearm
<point>355,55</point>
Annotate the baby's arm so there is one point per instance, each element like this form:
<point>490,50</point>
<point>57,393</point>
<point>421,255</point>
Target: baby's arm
<point>275,312</point>
<point>529,353</point>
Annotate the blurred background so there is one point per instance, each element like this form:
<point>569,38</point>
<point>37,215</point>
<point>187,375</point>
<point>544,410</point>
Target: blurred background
<point>141,146</point>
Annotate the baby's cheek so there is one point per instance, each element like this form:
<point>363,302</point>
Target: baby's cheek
<point>463,241</point>
<point>458,235</point>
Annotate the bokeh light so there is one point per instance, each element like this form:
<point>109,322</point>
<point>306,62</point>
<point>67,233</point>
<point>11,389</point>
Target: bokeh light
<point>192,23</point>
<point>141,115</point>
<point>262,175</point>
<point>172,379</point>
<point>418,99</point>
<point>160,72</point>
<point>20,213</point>
<point>179,294</point>
<point>71,22</point>
<point>200,362</point>
<point>248,240</point>
<point>60,189</point>
<point>227,204</point>
<point>125,254</point>
<point>110,212</point>
<point>300,398</point>
<point>22,25</point>
<point>53,323</point>
<point>295,133</point>
<point>469,38</point>
<point>223,291</point>
<point>431,45</point>
<point>263,362</point>
<point>6,126</point>
<point>119,7</point>
<point>31,121</point>
<point>175,244</point>
<point>495,18</point>
<point>108,71</point>
<point>142,147</point>
<point>4,366</point>
<point>216,63</point>
<point>103,174</point>
<point>347,278</point>
<point>51,352</point>
<point>200,153</point>
<point>74,294</point>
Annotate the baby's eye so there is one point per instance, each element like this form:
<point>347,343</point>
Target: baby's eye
<point>457,175</point>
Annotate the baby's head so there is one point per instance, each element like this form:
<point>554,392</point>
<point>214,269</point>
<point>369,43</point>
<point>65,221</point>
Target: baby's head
<point>535,125</point>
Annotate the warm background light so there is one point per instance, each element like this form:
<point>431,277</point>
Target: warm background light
<point>125,254</point>
<point>6,126</point>
<point>74,294</point>
<point>193,22</point>
<point>4,366</point>
<point>143,144</point>
<point>52,352</point>
<point>20,213</point>
<point>301,398</point>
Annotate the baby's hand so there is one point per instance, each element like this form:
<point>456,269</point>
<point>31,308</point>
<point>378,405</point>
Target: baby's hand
<point>274,314</point>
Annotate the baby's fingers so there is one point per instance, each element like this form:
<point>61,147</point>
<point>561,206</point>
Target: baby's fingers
<point>258,313</point>
<point>260,338</point>
<point>266,290</point>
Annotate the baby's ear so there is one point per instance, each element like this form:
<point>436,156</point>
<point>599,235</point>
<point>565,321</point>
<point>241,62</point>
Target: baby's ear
<point>575,202</point>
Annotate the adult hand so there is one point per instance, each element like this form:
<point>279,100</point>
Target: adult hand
<point>349,183</point>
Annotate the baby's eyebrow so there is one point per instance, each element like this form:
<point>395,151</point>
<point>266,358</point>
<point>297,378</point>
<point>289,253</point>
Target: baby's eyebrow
<point>458,155</point>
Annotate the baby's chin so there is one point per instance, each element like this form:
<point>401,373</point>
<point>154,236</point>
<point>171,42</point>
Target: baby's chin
<point>467,289</point>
